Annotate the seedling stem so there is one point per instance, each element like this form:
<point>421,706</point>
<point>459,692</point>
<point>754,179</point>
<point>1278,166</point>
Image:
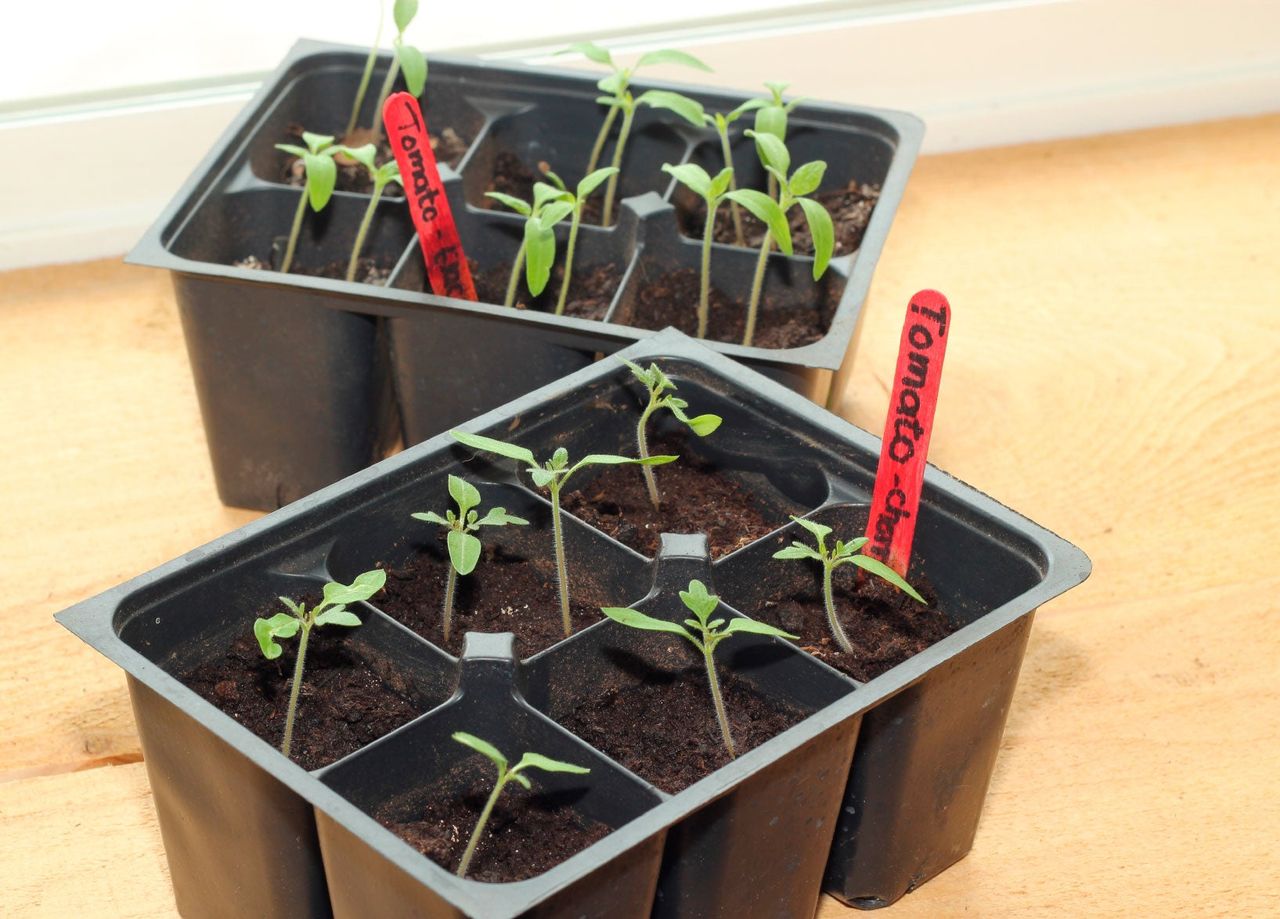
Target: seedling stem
<point>381,176</point>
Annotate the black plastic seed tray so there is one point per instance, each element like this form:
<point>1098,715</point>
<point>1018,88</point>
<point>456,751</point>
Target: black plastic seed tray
<point>875,789</point>
<point>294,371</point>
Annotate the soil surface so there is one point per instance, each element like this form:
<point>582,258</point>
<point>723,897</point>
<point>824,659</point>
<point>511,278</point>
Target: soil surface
<point>512,177</point>
<point>507,592</point>
<point>449,145</point>
<point>375,271</point>
<point>850,208</point>
<point>590,292</point>
<point>672,300</point>
<point>660,723</point>
<point>347,700</point>
<point>617,502</point>
<point>527,833</point>
<point>884,625</point>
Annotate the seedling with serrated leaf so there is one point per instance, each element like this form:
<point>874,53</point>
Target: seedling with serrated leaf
<point>464,547</point>
<point>842,553</point>
<point>331,610</point>
<point>381,176</point>
<point>617,98</point>
<point>704,633</point>
<point>771,117</point>
<point>793,187</point>
<point>662,395</point>
<point>405,59</point>
<point>322,175</point>
<point>506,773</point>
<point>577,198</point>
<point>537,252</point>
<point>713,192</point>
<point>553,475</point>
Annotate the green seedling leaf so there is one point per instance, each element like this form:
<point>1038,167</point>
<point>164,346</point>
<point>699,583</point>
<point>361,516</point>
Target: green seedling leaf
<point>702,425</point>
<point>317,142</point>
<point>520,207</point>
<point>292,149</point>
<point>692,175</point>
<point>798,550</point>
<point>772,151</point>
<point>638,620</point>
<point>464,494</point>
<point>322,175</point>
<point>403,13</point>
<point>547,764</point>
<point>698,600</point>
<point>771,120</point>
<point>539,255</point>
<point>591,51</point>
<point>671,56</point>
<point>364,155</point>
<point>544,193</point>
<point>413,64</point>
<point>464,551</point>
<point>295,608</point>
<point>806,179</point>
<point>498,516</point>
<point>553,213</point>
<point>338,616</point>
<point>482,747</point>
<point>819,530</point>
<point>489,445</point>
<point>751,626</point>
<point>430,517</point>
<point>823,233</point>
<point>768,212</point>
<point>362,588</point>
<point>281,625</point>
<point>605,459</point>
<point>749,106</point>
<point>541,477</point>
<point>594,181</point>
<point>688,109</point>
<point>612,86</point>
<point>881,570</point>
<point>720,184</point>
<point>517,777</point>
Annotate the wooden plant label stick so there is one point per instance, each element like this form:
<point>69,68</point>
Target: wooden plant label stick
<point>896,499</point>
<point>428,204</point>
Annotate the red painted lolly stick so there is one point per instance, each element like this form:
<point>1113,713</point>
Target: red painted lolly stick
<point>428,204</point>
<point>896,499</point>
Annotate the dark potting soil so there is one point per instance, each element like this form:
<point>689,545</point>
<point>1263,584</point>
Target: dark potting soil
<point>617,502</point>
<point>590,291</point>
<point>449,144</point>
<point>512,177</point>
<point>527,833</point>
<point>884,625</point>
<point>671,299</point>
<point>850,208</point>
<point>656,716</point>
<point>376,271</point>
<point>507,592</point>
<point>348,699</point>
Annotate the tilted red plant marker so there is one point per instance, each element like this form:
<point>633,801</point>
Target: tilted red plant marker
<point>428,204</point>
<point>895,502</point>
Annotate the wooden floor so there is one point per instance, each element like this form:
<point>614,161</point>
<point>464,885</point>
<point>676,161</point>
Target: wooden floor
<point>1112,374</point>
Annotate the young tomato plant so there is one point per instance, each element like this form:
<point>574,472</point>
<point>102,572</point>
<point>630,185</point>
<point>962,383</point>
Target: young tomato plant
<point>506,773</point>
<point>713,192</point>
<point>662,395</point>
<point>773,122</point>
<point>331,610</point>
<point>537,252</point>
<point>322,175</point>
<point>553,475</point>
<point>704,633</point>
<point>464,546</point>
<point>381,176</point>
<point>842,553</point>
<point>617,98</point>
<point>577,198</point>
<point>793,187</point>
<point>406,59</point>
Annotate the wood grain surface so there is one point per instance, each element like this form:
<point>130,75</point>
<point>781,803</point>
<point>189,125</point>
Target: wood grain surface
<point>1110,375</point>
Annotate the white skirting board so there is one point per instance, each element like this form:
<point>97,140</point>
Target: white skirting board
<point>980,74</point>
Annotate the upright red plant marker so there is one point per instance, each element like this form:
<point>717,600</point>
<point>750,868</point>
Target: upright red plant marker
<point>428,203</point>
<point>896,499</point>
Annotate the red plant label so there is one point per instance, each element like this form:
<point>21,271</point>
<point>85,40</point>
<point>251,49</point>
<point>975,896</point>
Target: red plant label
<point>896,499</point>
<point>428,204</point>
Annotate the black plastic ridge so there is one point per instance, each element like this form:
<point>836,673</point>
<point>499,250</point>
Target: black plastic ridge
<point>298,532</point>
